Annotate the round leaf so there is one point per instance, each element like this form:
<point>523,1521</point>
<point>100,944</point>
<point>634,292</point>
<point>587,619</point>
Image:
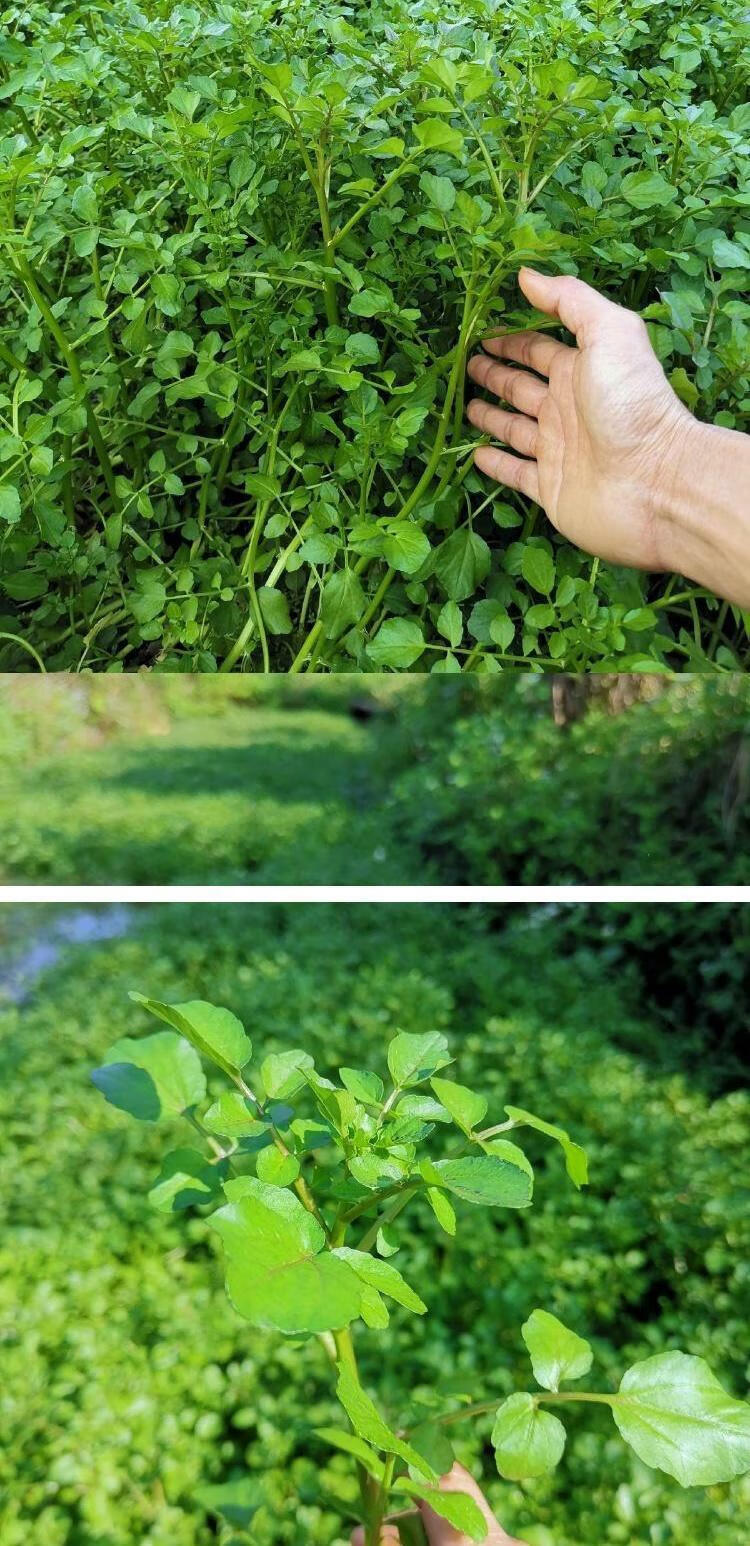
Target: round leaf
<point>527,1442</point>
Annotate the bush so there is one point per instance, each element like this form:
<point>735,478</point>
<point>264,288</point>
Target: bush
<point>246,253</point>
<point>129,1384</point>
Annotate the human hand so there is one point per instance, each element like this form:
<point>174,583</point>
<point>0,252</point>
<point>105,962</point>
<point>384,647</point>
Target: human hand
<point>439,1532</point>
<point>601,429</point>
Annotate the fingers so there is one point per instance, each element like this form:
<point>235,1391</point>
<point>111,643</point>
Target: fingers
<point>440,1533</point>
<point>514,428</point>
<point>515,386</point>
<point>532,349</point>
<point>507,469</point>
<point>389,1536</point>
<point>581,308</point>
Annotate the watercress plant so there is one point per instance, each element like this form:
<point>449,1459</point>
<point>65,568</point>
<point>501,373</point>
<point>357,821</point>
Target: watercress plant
<point>244,253</point>
<point>304,1179</point>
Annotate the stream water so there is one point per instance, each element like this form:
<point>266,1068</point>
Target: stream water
<point>38,948</point>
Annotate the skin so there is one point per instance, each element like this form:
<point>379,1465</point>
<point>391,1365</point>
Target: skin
<point>439,1532</point>
<point>606,447</point>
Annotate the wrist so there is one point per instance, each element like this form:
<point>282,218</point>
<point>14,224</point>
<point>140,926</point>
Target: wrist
<point>702,508</point>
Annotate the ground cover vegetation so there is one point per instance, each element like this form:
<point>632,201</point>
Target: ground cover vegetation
<point>347,780</point>
<point>138,1404</point>
<point>245,254</point>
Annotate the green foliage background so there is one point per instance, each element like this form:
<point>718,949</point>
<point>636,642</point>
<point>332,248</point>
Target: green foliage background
<point>245,252</point>
<point>214,781</point>
<point>128,1382</point>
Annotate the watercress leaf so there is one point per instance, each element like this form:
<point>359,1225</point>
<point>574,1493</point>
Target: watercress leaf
<point>237,1501</point>
<point>10,504</point>
<point>275,1168</point>
<point>232,1116</point>
<point>646,190</point>
<point>406,547</point>
<point>576,1163</point>
<point>461,563</point>
<point>673,1412</point>
<point>487,1180</point>
<point>373,1170</point>
<point>362,348</point>
<point>538,568</point>
<point>412,1058</point>
<point>508,1151</point>
<point>418,1104</point>
<point>373,1309</point>
<point>399,642</point>
<point>214,1031</point>
<point>342,604</point>
<point>352,1444</point>
<point>431,1440</point>
<point>443,1209</point>
<point>450,623</point>
<point>151,1076</point>
<point>274,609</point>
<point>365,1087</point>
<point>458,1508</point>
<point>466,1108</point>
<point>556,1353</point>
<point>279,1273</point>
<point>383,1276</point>
<point>282,1074</point>
<point>527,1441</point>
<point>435,134</point>
<point>185,1180</point>
<point>368,1423</point>
<point>440,191</point>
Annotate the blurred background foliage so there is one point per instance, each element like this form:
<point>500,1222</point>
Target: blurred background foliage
<point>129,1386</point>
<point>362,780</point>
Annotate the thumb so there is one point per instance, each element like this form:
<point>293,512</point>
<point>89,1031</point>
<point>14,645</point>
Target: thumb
<point>441,1533</point>
<point>581,308</point>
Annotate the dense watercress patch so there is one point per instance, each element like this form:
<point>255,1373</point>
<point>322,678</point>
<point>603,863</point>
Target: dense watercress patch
<point>245,252</point>
<point>288,1194</point>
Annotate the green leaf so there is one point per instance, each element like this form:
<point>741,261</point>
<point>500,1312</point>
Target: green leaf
<point>151,1076</point>
<point>166,290</point>
<point>458,1508</point>
<point>435,134</point>
<point>450,623</point>
<point>275,1168</point>
<point>412,1058</point>
<point>556,1353</point>
<point>214,1031</point>
<point>282,1073</point>
<point>274,609</point>
<point>462,562</point>
<point>527,1442</point>
<point>279,1273</point>
<point>367,1422</point>
<point>370,303</point>
<point>443,1209</point>
<point>399,642</point>
<point>406,547</point>
<point>183,101</point>
<point>351,1444</point>
<point>382,1276</point>
<point>185,1180</point>
<point>727,254</point>
<point>466,1108</point>
<point>84,205</point>
<point>440,191</point>
<point>10,504</point>
<point>342,604</point>
<point>362,348</point>
<point>647,190</point>
<point>236,1501</point>
<point>673,1412</point>
<point>365,1087</point>
<point>538,569</point>
<point>487,1180</point>
<point>232,1116</point>
<point>576,1163</point>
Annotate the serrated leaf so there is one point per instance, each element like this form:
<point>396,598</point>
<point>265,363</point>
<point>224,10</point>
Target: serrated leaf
<point>486,1180</point>
<point>214,1031</point>
<point>412,1058</point>
<point>673,1412</point>
<point>527,1442</point>
<point>367,1422</point>
<point>576,1163</point>
<point>466,1108</point>
<point>279,1273</point>
<point>151,1077</point>
<point>556,1353</point>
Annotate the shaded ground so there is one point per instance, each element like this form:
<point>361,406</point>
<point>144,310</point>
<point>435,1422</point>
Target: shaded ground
<point>252,795</point>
